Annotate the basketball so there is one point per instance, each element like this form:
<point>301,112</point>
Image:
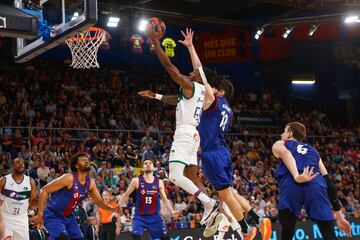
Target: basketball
<point>158,25</point>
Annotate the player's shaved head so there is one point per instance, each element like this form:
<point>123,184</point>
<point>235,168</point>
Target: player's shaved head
<point>19,166</point>
<point>18,160</point>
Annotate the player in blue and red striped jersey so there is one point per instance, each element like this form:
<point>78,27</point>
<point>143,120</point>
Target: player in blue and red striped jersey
<point>68,191</point>
<point>148,188</point>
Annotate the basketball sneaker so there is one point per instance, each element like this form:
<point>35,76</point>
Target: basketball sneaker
<point>251,233</point>
<point>212,225</point>
<point>210,211</point>
<point>265,228</point>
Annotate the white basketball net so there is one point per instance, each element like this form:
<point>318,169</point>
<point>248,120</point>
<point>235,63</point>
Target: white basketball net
<point>84,47</point>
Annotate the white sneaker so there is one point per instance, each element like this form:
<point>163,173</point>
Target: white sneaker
<point>212,226</point>
<point>210,212</point>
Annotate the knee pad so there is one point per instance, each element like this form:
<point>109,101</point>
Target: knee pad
<point>62,236</point>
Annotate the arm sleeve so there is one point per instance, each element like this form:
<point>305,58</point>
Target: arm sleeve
<point>331,192</point>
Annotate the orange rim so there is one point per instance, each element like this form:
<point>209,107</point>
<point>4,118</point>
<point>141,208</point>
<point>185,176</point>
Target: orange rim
<point>90,29</point>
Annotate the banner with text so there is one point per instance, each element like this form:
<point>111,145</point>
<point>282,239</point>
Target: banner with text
<point>223,47</point>
<point>304,231</point>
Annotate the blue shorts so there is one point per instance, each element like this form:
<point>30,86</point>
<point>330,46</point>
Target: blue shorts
<point>153,223</point>
<point>218,168</point>
<point>313,196</point>
<point>57,224</point>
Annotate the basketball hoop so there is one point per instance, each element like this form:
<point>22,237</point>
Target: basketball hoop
<point>84,47</point>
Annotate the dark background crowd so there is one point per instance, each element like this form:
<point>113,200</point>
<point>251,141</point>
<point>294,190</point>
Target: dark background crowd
<point>47,113</point>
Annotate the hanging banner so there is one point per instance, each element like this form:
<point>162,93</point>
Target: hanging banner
<point>223,47</point>
<point>151,46</point>
<point>136,43</point>
<point>169,45</point>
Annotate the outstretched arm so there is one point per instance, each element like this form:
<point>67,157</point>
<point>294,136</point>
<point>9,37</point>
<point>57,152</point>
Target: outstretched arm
<point>280,151</point>
<point>166,200</point>
<point>95,195</point>
<point>188,37</point>
<point>175,74</point>
<point>65,181</point>
<point>169,99</point>
<point>188,42</point>
<point>132,187</point>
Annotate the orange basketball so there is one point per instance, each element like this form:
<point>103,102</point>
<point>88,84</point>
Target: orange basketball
<point>158,25</point>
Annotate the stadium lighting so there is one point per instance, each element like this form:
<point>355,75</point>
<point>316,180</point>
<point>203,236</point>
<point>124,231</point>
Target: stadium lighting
<point>142,25</point>
<point>258,33</point>
<point>114,19</point>
<point>352,19</point>
<point>312,29</point>
<point>287,32</point>
<point>303,82</point>
<point>113,22</point>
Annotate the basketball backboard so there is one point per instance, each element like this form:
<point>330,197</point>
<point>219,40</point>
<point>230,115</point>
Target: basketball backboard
<point>58,20</point>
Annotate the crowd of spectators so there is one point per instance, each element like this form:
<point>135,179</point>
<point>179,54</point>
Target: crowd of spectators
<point>54,113</point>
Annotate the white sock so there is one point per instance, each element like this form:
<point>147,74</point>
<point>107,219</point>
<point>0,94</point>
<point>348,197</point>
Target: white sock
<point>176,176</point>
<point>221,235</point>
<point>204,198</point>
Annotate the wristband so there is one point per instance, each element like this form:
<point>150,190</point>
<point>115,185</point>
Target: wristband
<point>202,75</point>
<point>158,96</point>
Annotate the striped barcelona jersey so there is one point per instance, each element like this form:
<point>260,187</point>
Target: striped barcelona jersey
<point>214,123</point>
<point>147,197</point>
<point>16,197</point>
<point>65,200</point>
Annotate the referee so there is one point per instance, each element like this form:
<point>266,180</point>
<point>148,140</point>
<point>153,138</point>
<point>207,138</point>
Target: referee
<point>108,221</point>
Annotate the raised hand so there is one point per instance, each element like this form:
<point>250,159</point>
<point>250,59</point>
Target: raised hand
<point>147,94</point>
<point>150,32</point>
<point>188,37</point>
<point>306,176</point>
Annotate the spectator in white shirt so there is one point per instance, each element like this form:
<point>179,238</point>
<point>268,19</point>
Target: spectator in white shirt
<point>43,173</point>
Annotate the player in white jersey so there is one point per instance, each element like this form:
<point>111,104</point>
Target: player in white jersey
<point>18,192</point>
<point>186,139</point>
